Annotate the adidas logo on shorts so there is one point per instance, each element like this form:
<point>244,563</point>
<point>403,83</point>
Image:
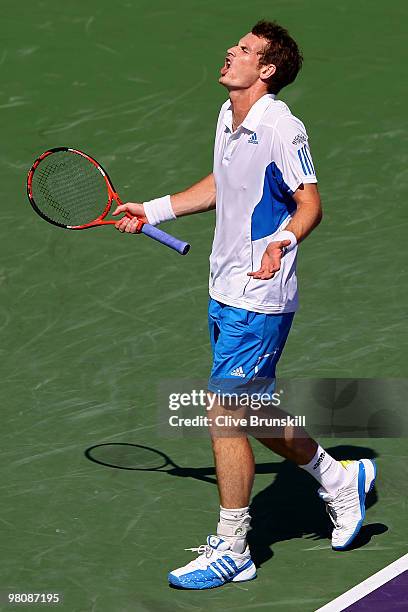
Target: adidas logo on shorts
<point>238,372</point>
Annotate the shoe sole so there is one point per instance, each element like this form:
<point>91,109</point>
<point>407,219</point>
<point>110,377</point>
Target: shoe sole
<point>367,474</point>
<point>245,575</point>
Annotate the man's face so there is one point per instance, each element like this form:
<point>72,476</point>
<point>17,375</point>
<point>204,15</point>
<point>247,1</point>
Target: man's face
<point>241,68</point>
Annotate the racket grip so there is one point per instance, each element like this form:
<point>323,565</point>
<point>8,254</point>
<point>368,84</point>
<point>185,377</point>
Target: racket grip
<point>166,239</point>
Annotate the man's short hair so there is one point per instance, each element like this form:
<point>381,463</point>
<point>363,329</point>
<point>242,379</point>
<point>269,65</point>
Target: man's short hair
<point>282,51</point>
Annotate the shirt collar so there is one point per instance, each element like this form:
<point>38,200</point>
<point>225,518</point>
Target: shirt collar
<point>254,116</point>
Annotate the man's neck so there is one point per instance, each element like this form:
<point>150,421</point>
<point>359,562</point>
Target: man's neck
<point>242,100</point>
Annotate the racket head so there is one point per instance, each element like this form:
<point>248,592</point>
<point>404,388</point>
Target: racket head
<point>126,456</point>
<point>69,188</point>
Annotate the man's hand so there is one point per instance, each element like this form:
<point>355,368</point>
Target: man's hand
<point>271,260</point>
<point>129,223</point>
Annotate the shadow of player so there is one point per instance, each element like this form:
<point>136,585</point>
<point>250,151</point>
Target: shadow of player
<point>291,508</point>
<point>288,508</point>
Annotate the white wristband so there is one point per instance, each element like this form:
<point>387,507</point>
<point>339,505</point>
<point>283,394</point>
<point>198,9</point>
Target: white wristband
<point>159,210</point>
<point>286,235</point>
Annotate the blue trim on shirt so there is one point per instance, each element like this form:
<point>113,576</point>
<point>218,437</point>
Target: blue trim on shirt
<point>307,155</point>
<point>301,161</point>
<point>275,205</point>
<point>307,160</point>
<point>309,170</point>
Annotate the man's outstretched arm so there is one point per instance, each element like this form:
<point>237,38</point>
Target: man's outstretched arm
<point>307,216</point>
<point>308,212</point>
<point>200,197</point>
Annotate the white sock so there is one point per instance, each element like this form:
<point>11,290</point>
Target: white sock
<point>234,526</point>
<point>328,472</point>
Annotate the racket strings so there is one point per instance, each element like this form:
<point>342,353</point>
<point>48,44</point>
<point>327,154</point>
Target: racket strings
<point>69,189</point>
<point>48,197</point>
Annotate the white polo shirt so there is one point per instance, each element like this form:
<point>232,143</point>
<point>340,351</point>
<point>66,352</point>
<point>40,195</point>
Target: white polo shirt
<point>257,169</point>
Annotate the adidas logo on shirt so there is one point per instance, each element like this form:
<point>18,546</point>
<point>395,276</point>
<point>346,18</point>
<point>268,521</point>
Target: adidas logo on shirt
<point>238,372</point>
<point>253,139</point>
<point>299,139</point>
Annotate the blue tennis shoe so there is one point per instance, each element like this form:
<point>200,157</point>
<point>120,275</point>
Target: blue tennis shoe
<point>215,566</point>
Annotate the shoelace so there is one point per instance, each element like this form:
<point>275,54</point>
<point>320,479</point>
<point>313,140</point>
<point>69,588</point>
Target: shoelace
<point>203,549</point>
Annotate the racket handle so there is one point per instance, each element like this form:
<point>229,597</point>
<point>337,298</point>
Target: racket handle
<point>166,239</point>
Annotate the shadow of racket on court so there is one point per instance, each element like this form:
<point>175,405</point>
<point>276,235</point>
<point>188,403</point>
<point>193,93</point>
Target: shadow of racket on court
<point>287,508</point>
<point>126,456</point>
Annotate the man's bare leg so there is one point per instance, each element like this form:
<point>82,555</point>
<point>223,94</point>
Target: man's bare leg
<point>235,469</point>
<point>299,448</point>
<point>295,444</point>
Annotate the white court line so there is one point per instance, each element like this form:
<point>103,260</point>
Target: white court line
<point>367,586</point>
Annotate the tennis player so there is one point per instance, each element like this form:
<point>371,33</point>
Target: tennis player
<point>264,189</point>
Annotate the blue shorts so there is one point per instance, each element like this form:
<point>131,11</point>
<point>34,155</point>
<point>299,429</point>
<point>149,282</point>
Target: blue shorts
<point>246,348</point>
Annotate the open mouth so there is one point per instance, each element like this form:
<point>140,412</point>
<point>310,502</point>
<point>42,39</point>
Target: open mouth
<point>226,66</point>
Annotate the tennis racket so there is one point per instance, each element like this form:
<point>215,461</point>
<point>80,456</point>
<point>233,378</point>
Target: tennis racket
<point>70,189</point>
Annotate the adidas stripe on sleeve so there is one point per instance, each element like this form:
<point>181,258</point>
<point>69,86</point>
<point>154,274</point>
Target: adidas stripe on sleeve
<point>292,152</point>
